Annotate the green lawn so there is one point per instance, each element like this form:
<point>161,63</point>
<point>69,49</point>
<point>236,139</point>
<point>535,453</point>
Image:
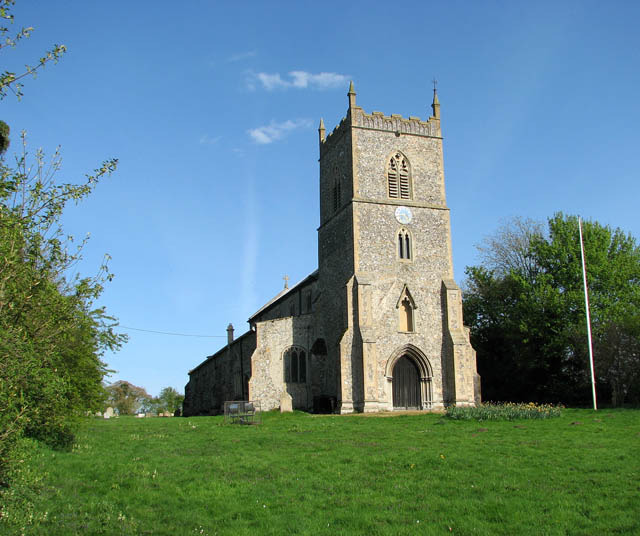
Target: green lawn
<point>301,474</point>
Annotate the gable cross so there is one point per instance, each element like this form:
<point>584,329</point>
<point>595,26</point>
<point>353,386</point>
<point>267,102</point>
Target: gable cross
<point>286,281</point>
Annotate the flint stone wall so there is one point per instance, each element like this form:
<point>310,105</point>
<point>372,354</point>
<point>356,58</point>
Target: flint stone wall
<point>220,378</point>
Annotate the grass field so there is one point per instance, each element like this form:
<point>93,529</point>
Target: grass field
<point>326,475</point>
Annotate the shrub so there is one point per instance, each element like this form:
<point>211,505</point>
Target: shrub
<point>17,502</point>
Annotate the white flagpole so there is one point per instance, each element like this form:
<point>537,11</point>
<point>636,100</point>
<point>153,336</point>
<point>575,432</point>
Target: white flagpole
<point>586,301</point>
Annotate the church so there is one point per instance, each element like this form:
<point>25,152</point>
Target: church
<point>378,326</point>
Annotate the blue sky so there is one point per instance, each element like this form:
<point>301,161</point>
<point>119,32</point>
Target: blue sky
<point>212,109</point>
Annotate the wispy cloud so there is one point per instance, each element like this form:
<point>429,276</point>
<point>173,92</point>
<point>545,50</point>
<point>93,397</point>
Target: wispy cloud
<point>303,79</point>
<point>251,235</point>
<point>242,56</point>
<point>275,131</point>
<point>296,80</point>
<point>205,139</point>
<point>268,81</point>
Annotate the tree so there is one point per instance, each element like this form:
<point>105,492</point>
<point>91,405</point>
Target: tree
<point>618,360</point>
<point>509,247</point>
<point>527,317</point>
<point>4,137</point>
<point>170,399</point>
<point>129,399</point>
<point>9,80</point>
<point>51,335</point>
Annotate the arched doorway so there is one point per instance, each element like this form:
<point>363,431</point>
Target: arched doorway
<point>406,384</point>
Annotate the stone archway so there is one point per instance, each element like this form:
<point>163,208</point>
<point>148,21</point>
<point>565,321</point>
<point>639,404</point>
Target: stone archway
<point>410,374</point>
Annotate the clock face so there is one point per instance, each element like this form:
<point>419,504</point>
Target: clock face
<point>403,215</point>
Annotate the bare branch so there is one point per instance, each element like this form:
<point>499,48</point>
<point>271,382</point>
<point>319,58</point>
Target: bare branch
<point>509,247</point>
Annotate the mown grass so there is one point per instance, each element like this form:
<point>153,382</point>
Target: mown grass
<point>327,475</point>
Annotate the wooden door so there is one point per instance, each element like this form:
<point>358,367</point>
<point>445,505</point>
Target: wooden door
<point>406,384</point>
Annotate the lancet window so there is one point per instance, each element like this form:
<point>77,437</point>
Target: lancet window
<point>308,304</point>
<point>406,308</point>
<point>406,315</point>
<point>399,177</point>
<point>336,194</point>
<point>404,245</point>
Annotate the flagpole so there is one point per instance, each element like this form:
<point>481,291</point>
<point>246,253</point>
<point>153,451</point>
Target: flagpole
<point>586,301</point>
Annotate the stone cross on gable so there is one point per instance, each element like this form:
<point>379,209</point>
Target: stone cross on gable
<point>286,281</point>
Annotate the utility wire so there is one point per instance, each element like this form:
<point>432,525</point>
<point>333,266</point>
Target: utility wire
<point>174,334</point>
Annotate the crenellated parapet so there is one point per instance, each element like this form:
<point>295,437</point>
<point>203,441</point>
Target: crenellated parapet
<point>395,123</point>
<point>334,136</point>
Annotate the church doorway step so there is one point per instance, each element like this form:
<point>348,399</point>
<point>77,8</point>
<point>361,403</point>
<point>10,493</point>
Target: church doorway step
<point>406,384</point>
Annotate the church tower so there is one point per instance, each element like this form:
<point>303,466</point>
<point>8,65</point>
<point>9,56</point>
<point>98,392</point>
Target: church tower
<point>378,326</point>
<point>388,308</point>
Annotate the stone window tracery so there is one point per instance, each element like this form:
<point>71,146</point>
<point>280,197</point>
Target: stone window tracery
<point>295,365</point>
<point>399,177</point>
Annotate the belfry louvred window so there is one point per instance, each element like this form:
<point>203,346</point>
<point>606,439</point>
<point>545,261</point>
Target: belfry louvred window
<point>399,177</point>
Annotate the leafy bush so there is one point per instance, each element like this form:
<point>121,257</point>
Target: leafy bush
<point>507,411</point>
<point>51,333</point>
<point>17,508</point>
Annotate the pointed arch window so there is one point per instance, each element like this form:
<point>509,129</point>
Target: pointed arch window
<point>404,245</point>
<point>406,308</point>
<point>295,365</point>
<point>406,315</point>
<point>399,177</point>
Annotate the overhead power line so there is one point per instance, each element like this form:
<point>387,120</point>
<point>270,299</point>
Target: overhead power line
<point>170,333</point>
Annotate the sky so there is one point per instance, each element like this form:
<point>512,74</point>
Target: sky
<point>212,109</point>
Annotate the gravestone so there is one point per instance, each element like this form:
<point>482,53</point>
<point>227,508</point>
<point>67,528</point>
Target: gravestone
<point>286,402</point>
